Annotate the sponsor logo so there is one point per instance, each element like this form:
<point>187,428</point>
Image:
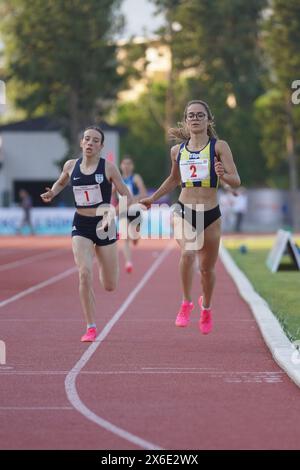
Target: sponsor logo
<point>99,178</point>
<point>194,156</point>
<point>77,178</point>
<point>74,228</point>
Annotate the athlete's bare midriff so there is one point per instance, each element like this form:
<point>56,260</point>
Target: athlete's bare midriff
<point>88,212</point>
<point>206,196</point>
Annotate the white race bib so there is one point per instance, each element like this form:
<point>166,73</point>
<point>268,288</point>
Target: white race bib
<point>88,195</point>
<point>194,170</point>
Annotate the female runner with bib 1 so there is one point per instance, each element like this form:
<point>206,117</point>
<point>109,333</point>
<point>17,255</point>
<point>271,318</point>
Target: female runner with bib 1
<point>93,229</point>
<point>198,163</point>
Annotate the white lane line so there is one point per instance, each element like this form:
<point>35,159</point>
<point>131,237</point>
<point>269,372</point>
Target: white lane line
<point>33,372</point>
<point>45,320</point>
<point>179,368</point>
<point>39,286</point>
<point>193,320</point>
<point>70,382</point>
<point>29,259</point>
<point>78,320</point>
<point>140,372</point>
<point>33,408</point>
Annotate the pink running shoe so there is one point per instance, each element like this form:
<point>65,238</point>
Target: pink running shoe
<point>205,322</point>
<point>183,316</point>
<point>128,267</point>
<point>90,335</point>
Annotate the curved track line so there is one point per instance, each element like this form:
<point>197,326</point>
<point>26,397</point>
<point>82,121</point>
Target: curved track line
<point>70,382</point>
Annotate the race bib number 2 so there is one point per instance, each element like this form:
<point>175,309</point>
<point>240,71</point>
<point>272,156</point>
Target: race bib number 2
<point>194,171</point>
<point>87,195</point>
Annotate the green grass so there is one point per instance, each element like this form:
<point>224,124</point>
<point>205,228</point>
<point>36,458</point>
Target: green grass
<point>281,289</point>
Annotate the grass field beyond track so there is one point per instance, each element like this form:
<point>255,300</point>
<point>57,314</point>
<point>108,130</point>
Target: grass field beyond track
<point>281,289</point>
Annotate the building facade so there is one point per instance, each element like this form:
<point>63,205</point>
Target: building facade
<point>31,153</point>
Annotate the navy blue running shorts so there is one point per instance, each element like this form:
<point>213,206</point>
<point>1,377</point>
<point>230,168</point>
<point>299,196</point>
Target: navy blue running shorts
<point>86,227</point>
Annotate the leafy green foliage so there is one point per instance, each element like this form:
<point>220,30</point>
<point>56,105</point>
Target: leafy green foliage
<point>274,110</point>
<point>61,59</point>
<point>144,140</point>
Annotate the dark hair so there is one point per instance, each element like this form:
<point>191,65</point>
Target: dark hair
<point>127,157</point>
<point>181,131</point>
<point>95,128</point>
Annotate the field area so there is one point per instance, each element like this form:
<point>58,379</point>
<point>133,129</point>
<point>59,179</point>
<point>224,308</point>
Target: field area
<point>280,289</point>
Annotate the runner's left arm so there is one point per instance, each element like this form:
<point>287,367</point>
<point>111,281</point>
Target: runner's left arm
<point>115,177</point>
<point>224,165</point>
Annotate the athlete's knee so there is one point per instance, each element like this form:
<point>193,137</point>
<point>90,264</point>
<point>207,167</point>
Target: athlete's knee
<point>188,256</point>
<point>207,272</point>
<point>85,276</point>
<point>110,286</point>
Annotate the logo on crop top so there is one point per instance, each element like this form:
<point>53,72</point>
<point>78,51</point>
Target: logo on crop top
<point>193,156</point>
<point>99,178</point>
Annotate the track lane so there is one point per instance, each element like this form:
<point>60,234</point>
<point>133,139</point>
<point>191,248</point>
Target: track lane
<point>168,385</point>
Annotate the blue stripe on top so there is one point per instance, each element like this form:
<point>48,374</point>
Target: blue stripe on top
<point>214,180</point>
<point>129,181</point>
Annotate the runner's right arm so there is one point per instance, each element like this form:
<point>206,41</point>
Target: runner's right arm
<point>169,184</point>
<point>59,184</point>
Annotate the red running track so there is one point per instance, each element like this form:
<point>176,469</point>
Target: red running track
<point>170,387</point>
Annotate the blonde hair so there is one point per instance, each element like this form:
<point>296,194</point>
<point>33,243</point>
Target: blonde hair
<point>181,132</point>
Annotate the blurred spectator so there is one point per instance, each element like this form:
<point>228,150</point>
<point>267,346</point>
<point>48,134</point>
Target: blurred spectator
<point>26,204</point>
<point>240,207</point>
<point>286,216</point>
<point>226,206</point>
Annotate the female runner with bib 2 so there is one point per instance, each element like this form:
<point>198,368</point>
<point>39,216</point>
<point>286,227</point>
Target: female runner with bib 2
<point>93,230</point>
<point>198,163</point>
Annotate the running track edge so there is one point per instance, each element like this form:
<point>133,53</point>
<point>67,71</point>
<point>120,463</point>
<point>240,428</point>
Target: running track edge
<point>282,349</point>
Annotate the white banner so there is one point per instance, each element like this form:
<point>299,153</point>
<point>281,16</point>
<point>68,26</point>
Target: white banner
<point>55,221</point>
<point>58,221</point>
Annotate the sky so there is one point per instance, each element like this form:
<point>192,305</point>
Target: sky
<point>140,18</point>
<point>139,14</point>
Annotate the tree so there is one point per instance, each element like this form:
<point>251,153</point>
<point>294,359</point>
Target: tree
<point>282,39</point>
<point>60,58</point>
<point>144,140</point>
<point>271,118</point>
<point>218,43</point>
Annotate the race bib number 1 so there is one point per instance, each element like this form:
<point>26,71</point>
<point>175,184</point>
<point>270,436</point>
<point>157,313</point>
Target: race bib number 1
<point>87,195</point>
